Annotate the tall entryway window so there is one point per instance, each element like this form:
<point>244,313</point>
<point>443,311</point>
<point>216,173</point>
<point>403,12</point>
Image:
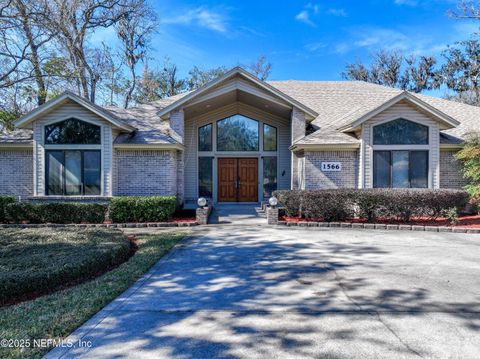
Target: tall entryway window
<point>237,180</point>
<point>237,159</point>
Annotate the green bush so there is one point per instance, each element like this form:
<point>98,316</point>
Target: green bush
<point>4,200</point>
<point>142,209</point>
<point>330,205</point>
<point>37,261</point>
<point>291,200</point>
<point>402,204</point>
<point>61,213</point>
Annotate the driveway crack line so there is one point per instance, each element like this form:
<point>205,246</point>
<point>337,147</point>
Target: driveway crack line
<point>374,314</point>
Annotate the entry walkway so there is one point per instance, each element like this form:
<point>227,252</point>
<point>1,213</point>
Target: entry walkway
<point>238,214</point>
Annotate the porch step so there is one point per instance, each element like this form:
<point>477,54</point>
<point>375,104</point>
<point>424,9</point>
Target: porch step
<point>250,214</point>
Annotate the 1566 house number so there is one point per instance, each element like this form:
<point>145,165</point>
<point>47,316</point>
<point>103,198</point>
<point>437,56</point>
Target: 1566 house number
<point>331,166</point>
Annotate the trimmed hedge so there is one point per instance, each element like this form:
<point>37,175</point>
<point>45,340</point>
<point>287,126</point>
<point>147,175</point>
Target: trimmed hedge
<point>37,261</point>
<point>142,209</point>
<point>61,213</point>
<point>4,201</point>
<point>341,204</point>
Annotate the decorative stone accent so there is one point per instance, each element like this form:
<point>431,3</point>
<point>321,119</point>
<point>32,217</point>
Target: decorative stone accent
<point>272,215</point>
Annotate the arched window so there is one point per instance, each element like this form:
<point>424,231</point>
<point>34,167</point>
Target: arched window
<point>400,132</point>
<point>72,132</point>
<point>237,133</point>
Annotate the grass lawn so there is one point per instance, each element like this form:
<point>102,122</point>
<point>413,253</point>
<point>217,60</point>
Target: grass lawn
<point>56,315</point>
<point>35,261</point>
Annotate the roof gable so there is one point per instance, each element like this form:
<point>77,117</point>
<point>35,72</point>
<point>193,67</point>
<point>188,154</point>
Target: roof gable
<point>356,120</point>
<point>33,115</point>
<point>237,71</point>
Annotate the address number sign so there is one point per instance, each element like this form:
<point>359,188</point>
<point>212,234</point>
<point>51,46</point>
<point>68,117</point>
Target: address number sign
<point>331,166</point>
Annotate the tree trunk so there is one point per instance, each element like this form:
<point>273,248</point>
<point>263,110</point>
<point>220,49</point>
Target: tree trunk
<point>128,97</point>
<point>34,58</point>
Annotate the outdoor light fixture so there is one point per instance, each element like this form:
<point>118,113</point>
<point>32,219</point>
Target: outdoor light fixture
<point>272,201</point>
<point>202,202</point>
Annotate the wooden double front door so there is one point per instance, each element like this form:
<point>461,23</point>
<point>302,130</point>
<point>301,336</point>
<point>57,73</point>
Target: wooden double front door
<point>237,179</point>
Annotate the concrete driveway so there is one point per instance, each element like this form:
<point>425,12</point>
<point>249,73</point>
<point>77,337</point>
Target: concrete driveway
<point>257,292</point>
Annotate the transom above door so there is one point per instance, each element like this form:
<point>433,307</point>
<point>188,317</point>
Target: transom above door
<point>238,179</point>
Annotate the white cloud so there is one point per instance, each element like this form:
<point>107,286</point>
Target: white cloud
<point>304,16</point>
<point>406,2</point>
<point>315,46</point>
<point>337,12</point>
<point>314,7</point>
<point>201,17</point>
<point>382,38</point>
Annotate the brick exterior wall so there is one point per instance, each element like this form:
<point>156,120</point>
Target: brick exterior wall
<point>180,177</point>
<point>17,172</point>
<point>346,178</point>
<point>450,171</point>
<point>145,173</point>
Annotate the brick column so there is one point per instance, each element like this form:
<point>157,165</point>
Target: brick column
<point>272,215</point>
<point>202,214</point>
<point>177,124</point>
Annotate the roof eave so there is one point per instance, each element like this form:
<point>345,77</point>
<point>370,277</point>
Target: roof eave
<point>16,145</point>
<point>324,146</point>
<point>23,121</point>
<point>156,146</point>
<point>311,114</point>
<point>450,122</point>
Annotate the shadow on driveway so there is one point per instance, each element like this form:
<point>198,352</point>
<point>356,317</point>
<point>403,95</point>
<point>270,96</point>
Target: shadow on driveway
<point>239,292</point>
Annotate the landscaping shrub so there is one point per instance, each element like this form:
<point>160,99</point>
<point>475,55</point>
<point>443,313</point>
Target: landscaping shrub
<point>4,200</point>
<point>142,209</point>
<point>61,213</point>
<point>291,200</point>
<point>401,204</point>
<point>330,205</point>
<point>36,261</point>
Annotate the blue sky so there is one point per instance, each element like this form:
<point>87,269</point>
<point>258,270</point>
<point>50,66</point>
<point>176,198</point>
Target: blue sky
<point>303,40</point>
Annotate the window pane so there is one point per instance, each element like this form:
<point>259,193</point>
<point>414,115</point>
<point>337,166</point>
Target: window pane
<point>269,138</point>
<point>205,138</point>
<point>269,176</point>
<point>419,169</point>
<point>91,172</point>
<point>205,175</point>
<point>400,169</point>
<point>55,172</point>
<point>73,172</point>
<point>400,132</point>
<point>237,133</point>
<point>72,131</point>
<point>381,169</point>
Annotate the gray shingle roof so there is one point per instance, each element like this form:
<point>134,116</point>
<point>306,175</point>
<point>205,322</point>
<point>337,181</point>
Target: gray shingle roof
<point>338,103</point>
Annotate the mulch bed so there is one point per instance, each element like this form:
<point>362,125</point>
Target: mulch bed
<point>184,216</point>
<point>464,221</point>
